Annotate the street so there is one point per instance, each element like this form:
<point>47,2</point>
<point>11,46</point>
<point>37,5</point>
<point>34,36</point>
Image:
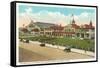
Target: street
<point>29,52</point>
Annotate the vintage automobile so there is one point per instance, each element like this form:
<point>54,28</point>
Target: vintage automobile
<point>67,49</point>
<point>27,41</point>
<point>21,40</point>
<point>42,44</point>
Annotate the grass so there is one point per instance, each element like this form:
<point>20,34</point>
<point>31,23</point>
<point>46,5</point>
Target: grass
<point>84,44</point>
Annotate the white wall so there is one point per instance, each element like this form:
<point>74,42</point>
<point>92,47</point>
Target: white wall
<point>5,34</point>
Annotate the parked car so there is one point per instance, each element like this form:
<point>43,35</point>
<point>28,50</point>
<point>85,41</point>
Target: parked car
<point>21,40</point>
<point>67,49</point>
<point>42,44</point>
<point>27,41</point>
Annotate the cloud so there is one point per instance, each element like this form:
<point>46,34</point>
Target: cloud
<point>28,10</point>
<point>84,14</point>
<point>50,17</point>
<point>85,18</point>
<point>46,16</point>
<point>55,17</point>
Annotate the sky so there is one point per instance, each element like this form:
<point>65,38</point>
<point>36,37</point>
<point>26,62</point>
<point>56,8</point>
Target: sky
<point>55,14</point>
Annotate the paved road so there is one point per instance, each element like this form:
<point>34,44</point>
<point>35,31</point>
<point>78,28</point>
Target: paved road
<point>29,52</point>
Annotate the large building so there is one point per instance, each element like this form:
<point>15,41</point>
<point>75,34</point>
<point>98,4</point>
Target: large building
<point>86,31</point>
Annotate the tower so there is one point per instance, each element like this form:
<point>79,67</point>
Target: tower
<point>73,21</point>
<point>90,23</point>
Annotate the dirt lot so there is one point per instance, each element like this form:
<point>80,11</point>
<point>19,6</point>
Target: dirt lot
<point>29,52</point>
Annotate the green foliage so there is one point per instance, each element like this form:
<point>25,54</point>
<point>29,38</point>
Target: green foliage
<point>85,44</point>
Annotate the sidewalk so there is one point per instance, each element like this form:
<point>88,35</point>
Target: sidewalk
<point>72,49</point>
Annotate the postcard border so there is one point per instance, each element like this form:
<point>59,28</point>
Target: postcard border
<point>13,33</point>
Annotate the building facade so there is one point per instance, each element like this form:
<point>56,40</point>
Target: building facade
<point>86,31</point>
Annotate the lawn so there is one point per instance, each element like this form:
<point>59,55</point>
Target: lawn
<point>84,44</point>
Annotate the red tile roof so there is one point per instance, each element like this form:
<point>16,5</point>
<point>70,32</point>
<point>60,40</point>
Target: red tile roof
<point>35,30</point>
<point>86,26</point>
<point>24,29</point>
